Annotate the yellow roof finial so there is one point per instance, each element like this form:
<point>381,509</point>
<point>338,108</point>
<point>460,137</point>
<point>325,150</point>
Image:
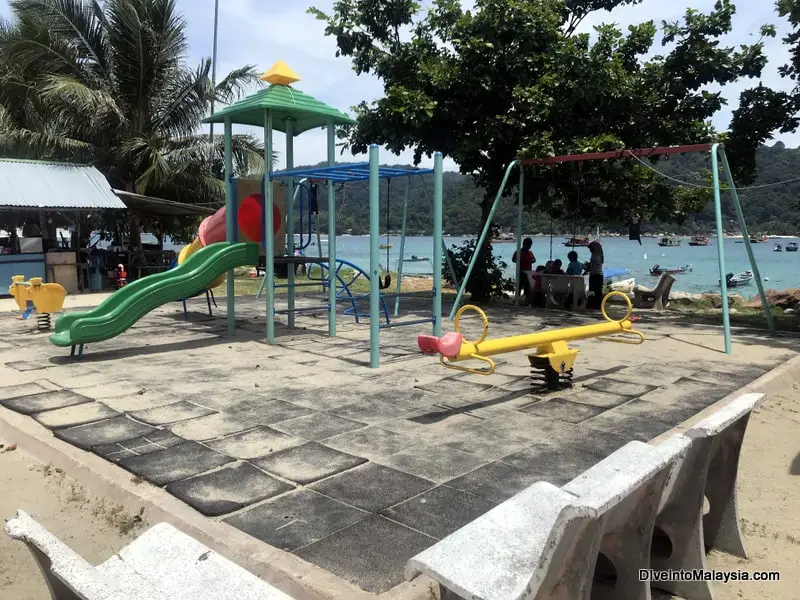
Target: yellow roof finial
<point>280,74</point>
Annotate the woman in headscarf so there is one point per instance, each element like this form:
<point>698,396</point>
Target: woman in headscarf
<point>595,276</point>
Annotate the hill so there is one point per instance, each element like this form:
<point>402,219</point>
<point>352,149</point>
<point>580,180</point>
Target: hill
<point>774,209</point>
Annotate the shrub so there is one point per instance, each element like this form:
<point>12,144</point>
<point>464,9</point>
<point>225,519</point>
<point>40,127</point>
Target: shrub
<point>487,278</point>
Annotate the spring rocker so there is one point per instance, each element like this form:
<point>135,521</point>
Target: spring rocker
<point>44,298</point>
<point>553,361</point>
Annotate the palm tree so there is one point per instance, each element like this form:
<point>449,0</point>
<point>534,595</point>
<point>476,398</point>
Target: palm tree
<point>108,84</point>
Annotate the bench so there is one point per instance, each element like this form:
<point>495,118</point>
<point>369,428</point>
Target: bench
<point>558,290</point>
<point>161,564</point>
<point>639,508</point>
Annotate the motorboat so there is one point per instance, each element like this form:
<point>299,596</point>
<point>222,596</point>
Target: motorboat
<point>699,240</point>
<point>659,270</point>
<point>669,242</point>
<point>739,280</point>
<point>577,241</point>
<point>385,246</point>
<point>415,258</point>
<point>777,248</point>
<point>791,247</point>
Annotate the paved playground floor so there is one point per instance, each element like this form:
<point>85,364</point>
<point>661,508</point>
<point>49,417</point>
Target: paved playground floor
<point>304,447</point>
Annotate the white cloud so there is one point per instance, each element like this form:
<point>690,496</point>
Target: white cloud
<point>262,31</point>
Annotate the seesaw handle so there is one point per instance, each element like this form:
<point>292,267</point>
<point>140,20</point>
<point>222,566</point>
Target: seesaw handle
<point>486,371</point>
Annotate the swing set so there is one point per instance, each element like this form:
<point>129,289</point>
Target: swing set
<point>719,161</point>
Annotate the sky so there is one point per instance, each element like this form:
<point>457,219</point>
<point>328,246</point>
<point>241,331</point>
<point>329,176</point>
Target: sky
<point>261,32</point>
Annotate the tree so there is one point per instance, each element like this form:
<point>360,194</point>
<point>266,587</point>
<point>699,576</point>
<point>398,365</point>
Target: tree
<point>107,84</point>
<point>513,78</point>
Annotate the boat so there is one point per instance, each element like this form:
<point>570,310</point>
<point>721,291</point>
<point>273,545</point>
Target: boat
<point>385,246</point>
<point>777,248</point>
<point>415,258</point>
<point>505,238</point>
<point>577,241</point>
<point>758,239</point>
<point>659,270</point>
<point>669,242</point>
<point>699,240</point>
<point>739,280</point>
<point>791,247</point>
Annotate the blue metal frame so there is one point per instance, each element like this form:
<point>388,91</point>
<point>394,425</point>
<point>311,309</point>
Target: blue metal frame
<point>351,172</point>
<point>343,290</point>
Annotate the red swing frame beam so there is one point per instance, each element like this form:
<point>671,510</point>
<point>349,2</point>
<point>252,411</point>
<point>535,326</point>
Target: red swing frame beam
<point>617,154</point>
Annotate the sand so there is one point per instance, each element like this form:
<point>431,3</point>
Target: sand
<point>90,525</point>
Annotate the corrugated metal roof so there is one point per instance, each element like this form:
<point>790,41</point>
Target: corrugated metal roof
<point>39,184</point>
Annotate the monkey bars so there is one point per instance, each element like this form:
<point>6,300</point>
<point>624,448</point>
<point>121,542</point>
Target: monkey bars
<point>718,159</point>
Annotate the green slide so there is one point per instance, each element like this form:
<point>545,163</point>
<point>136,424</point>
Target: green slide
<point>130,303</point>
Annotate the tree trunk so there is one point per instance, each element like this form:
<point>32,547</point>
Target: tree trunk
<point>136,252</point>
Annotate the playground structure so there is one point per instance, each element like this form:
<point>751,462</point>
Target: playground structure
<point>256,220</point>
<point>718,158</point>
<point>553,359</point>
<point>286,109</point>
<point>35,295</point>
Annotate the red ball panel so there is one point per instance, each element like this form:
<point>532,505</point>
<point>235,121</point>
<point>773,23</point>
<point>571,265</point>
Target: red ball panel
<point>251,221</point>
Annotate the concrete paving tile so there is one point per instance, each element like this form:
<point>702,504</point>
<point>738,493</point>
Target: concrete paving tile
<point>307,463</point>
<point>495,482</point>
<point>618,387</point>
<point>116,429</point>
<point>80,414</point>
<point>584,439</point>
<point>552,462</point>
<point>486,442</point>
<point>434,424</point>
<point>370,442</point>
<point>254,443</point>
<point>175,463</point>
<point>372,487</point>
<point>440,511</point>
<point>112,389</point>
<point>317,426</point>
<point>649,374</point>
<point>41,401</point>
<point>170,413</point>
<point>370,410</point>
<point>435,463</point>
<point>412,399</point>
<point>530,427</point>
<point>455,386</point>
<point>562,410</point>
<point>227,489</point>
<point>138,401</point>
<point>317,398</point>
<point>595,398</point>
<point>295,519</point>
<point>267,412</point>
<point>210,427</point>
<point>25,389</point>
<point>152,442</point>
<point>26,365</point>
<point>359,553</point>
<point>642,427</point>
<point>672,415</point>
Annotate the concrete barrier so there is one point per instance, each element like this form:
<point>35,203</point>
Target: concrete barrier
<point>708,471</point>
<point>639,508</point>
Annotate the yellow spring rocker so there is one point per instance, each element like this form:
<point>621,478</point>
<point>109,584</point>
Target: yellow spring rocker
<point>553,360</point>
<point>44,298</point>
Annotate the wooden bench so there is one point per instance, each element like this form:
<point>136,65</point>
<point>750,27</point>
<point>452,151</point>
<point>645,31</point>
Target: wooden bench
<point>161,564</point>
<point>558,290</point>
<point>593,536</point>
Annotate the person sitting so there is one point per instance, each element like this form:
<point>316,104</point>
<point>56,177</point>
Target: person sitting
<point>548,268</point>
<point>537,295</point>
<point>556,269</point>
<point>574,267</point>
<point>526,262</point>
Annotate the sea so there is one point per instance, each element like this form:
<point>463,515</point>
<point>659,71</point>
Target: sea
<point>779,270</point>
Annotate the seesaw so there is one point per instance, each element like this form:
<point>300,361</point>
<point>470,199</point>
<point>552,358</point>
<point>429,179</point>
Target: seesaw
<point>553,360</point>
<point>44,298</point>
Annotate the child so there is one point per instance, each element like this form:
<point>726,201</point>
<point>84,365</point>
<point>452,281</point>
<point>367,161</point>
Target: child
<point>595,276</point>
<point>537,297</point>
<point>574,267</point>
<point>526,261</point>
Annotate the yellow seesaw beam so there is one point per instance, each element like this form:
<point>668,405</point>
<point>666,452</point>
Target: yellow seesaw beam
<point>550,345</point>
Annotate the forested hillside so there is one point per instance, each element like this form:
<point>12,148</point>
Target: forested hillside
<point>774,209</point>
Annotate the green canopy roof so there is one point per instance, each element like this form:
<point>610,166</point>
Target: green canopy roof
<point>286,103</point>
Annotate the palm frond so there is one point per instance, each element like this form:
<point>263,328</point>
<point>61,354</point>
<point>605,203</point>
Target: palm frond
<point>183,103</point>
<point>26,144</point>
<point>79,97</point>
<point>236,84</point>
